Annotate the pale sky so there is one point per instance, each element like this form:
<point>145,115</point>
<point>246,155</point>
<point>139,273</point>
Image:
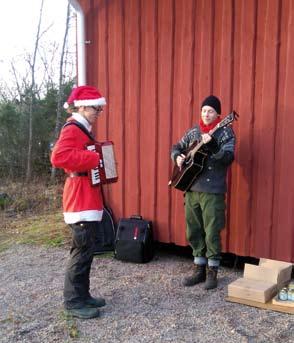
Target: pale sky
<point>18,27</point>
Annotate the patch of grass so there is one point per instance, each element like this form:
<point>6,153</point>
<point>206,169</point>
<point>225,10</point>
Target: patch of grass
<point>108,254</point>
<point>5,243</point>
<point>16,317</point>
<point>55,242</point>
<point>33,214</point>
<point>71,325</point>
<point>46,229</point>
<point>5,201</point>
<point>33,197</point>
<point>6,320</point>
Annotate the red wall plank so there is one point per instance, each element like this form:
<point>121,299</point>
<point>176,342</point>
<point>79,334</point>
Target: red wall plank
<point>182,98</point>
<point>264,126</point>
<point>165,56</point>
<point>283,218</point>
<point>243,100</point>
<point>148,106</point>
<point>132,190</point>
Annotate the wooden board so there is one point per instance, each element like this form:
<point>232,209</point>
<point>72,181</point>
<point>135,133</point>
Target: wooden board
<point>267,306</point>
<point>284,303</point>
<point>250,289</point>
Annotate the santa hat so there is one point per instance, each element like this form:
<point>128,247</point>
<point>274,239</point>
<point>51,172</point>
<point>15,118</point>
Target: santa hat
<point>85,96</point>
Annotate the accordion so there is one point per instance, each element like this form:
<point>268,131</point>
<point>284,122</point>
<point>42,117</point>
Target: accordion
<point>105,172</point>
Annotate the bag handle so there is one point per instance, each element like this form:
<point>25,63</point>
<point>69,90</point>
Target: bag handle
<point>136,216</point>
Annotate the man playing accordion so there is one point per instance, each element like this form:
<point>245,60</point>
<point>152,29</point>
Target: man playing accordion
<point>82,203</point>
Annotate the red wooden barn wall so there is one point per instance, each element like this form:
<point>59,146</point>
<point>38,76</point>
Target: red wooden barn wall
<point>155,61</point>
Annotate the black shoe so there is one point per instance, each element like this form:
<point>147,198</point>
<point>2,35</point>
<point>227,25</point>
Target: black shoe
<point>199,275</point>
<point>83,312</point>
<point>211,280</point>
<point>94,302</point>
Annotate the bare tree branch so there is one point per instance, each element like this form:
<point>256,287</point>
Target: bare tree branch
<point>32,96</point>
<point>58,123</point>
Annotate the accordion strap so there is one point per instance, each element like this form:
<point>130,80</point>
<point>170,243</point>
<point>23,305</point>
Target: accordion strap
<point>80,126</point>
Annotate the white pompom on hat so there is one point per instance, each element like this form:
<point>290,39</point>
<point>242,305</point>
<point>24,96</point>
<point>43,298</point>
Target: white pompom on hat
<point>85,96</point>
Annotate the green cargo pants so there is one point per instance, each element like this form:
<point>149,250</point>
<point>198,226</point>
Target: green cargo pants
<point>205,218</point>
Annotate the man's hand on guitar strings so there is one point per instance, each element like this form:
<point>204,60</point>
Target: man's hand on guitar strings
<point>180,160</point>
<point>206,138</point>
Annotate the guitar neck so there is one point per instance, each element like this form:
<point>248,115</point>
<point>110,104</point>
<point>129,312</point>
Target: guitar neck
<point>225,122</point>
<point>195,149</point>
<point>199,145</point>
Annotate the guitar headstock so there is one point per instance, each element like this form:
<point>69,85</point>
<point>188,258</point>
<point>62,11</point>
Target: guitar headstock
<point>228,119</point>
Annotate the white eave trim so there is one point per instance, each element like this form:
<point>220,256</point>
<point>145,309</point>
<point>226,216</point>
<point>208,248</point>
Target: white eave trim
<point>81,41</point>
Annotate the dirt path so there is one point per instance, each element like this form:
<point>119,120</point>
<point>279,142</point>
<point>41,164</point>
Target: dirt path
<point>145,303</point>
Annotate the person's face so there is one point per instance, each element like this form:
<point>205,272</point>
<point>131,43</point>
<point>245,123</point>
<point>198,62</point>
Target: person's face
<point>91,113</point>
<point>208,114</point>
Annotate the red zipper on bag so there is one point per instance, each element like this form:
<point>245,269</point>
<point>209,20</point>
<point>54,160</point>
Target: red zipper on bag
<point>136,232</point>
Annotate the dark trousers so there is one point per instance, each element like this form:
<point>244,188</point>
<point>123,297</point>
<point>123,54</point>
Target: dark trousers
<point>77,275</point>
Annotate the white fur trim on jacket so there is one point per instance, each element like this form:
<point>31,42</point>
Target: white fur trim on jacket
<point>90,102</point>
<point>82,216</point>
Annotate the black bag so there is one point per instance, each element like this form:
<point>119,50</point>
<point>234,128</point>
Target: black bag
<point>134,241</point>
<point>105,233</point>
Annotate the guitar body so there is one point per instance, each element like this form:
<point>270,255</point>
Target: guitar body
<point>183,178</point>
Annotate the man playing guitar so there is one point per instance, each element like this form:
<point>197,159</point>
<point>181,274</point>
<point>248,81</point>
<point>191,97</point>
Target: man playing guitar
<point>205,199</point>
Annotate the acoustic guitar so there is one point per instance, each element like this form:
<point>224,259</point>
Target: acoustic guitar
<point>182,178</point>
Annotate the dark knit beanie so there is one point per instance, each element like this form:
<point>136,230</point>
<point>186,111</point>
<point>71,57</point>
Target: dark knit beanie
<point>213,102</point>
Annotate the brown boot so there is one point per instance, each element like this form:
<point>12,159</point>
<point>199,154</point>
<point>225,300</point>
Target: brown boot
<point>211,280</point>
<point>199,275</point>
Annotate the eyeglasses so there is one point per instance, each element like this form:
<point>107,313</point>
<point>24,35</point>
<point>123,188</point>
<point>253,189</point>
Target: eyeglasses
<point>97,108</point>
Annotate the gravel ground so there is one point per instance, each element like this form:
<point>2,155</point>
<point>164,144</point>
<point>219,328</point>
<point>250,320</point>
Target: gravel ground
<point>145,303</point>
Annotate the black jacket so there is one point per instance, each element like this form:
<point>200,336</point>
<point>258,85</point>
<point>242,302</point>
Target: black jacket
<point>220,155</point>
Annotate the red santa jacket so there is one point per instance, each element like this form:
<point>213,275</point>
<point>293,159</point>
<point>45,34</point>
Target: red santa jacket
<point>81,201</point>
